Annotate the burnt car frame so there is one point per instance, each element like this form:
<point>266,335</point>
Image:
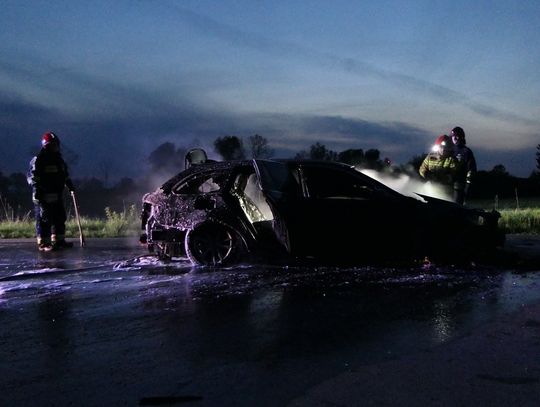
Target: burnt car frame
<point>222,213</point>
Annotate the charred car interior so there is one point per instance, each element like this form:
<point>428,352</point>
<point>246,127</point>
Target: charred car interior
<point>224,213</point>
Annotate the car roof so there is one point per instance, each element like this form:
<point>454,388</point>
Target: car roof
<point>300,161</point>
<point>212,165</point>
<point>201,168</point>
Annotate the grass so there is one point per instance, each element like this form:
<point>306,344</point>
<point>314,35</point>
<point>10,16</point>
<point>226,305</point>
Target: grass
<point>520,220</point>
<point>114,224</point>
<point>526,219</point>
<point>517,215</point>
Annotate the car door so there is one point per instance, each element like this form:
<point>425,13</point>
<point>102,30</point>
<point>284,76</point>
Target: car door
<point>282,186</point>
<point>346,210</point>
<point>327,211</point>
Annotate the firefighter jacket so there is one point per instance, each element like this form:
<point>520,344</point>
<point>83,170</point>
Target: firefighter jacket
<point>438,168</point>
<point>467,164</point>
<point>47,175</point>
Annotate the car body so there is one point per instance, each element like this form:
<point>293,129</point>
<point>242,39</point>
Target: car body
<point>222,213</point>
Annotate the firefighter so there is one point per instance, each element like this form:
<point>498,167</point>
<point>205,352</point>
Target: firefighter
<point>467,165</point>
<point>48,174</point>
<point>440,165</point>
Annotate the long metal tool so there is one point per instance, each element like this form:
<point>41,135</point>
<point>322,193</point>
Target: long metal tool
<point>81,235</point>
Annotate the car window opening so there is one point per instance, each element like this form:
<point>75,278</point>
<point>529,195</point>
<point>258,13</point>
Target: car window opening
<point>324,184</point>
<point>251,198</point>
<point>278,177</point>
<point>200,185</point>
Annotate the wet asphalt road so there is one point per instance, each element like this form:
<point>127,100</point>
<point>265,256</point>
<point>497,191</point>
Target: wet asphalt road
<point>108,325</point>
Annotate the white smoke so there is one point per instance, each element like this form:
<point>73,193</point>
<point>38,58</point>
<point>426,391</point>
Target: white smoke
<point>407,185</point>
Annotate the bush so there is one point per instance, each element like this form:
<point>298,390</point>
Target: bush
<point>121,223</point>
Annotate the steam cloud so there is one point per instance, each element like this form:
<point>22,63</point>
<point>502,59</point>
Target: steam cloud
<point>409,186</point>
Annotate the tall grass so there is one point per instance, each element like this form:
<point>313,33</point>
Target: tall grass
<point>14,223</point>
<point>10,214</point>
<point>517,215</point>
<point>520,220</point>
<point>16,229</point>
<point>114,224</point>
<point>122,223</point>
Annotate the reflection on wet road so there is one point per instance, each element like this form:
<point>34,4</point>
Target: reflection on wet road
<point>109,325</point>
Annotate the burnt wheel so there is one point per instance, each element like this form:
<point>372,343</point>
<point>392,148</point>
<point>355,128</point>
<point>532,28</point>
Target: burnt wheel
<point>212,245</point>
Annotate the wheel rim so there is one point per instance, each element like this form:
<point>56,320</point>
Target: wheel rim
<point>211,245</point>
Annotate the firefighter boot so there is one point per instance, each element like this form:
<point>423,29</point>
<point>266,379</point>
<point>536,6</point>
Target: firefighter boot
<point>59,242</point>
<point>44,245</point>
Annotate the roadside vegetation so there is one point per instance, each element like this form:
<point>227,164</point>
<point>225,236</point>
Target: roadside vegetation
<point>517,216</point>
<point>113,224</point>
<point>520,220</point>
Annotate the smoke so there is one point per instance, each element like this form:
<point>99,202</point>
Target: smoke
<point>158,176</point>
<point>409,186</point>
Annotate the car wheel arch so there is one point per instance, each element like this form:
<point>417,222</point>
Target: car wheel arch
<point>226,244</point>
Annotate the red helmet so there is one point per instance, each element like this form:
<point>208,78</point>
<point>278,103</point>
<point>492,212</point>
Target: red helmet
<point>442,140</point>
<point>48,138</point>
<point>443,143</point>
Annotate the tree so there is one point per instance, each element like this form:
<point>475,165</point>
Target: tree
<point>538,158</point>
<point>500,170</point>
<point>259,147</point>
<point>166,157</point>
<point>352,156</point>
<point>319,151</point>
<point>230,148</point>
<point>92,196</point>
<point>104,167</point>
<point>125,186</point>
<point>4,183</point>
<point>373,160</point>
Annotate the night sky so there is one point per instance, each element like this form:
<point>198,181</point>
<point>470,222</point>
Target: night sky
<point>116,79</point>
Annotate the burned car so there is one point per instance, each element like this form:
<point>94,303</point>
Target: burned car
<point>222,213</point>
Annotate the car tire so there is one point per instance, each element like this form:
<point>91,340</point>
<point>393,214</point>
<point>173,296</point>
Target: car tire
<point>213,245</point>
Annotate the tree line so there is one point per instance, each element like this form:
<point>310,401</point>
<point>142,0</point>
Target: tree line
<point>167,159</point>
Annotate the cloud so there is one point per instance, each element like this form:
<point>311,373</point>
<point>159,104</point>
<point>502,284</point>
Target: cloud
<point>101,118</point>
<point>354,66</point>
<point>81,94</point>
<point>126,138</point>
<point>291,133</point>
<point>124,142</point>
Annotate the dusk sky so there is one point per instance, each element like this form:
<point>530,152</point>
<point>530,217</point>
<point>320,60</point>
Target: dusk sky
<point>115,79</point>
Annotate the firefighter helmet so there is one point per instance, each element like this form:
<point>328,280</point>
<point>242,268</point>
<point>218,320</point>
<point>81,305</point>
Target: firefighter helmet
<point>458,133</point>
<point>48,138</point>
<point>442,140</point>
<point>443,144</point>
